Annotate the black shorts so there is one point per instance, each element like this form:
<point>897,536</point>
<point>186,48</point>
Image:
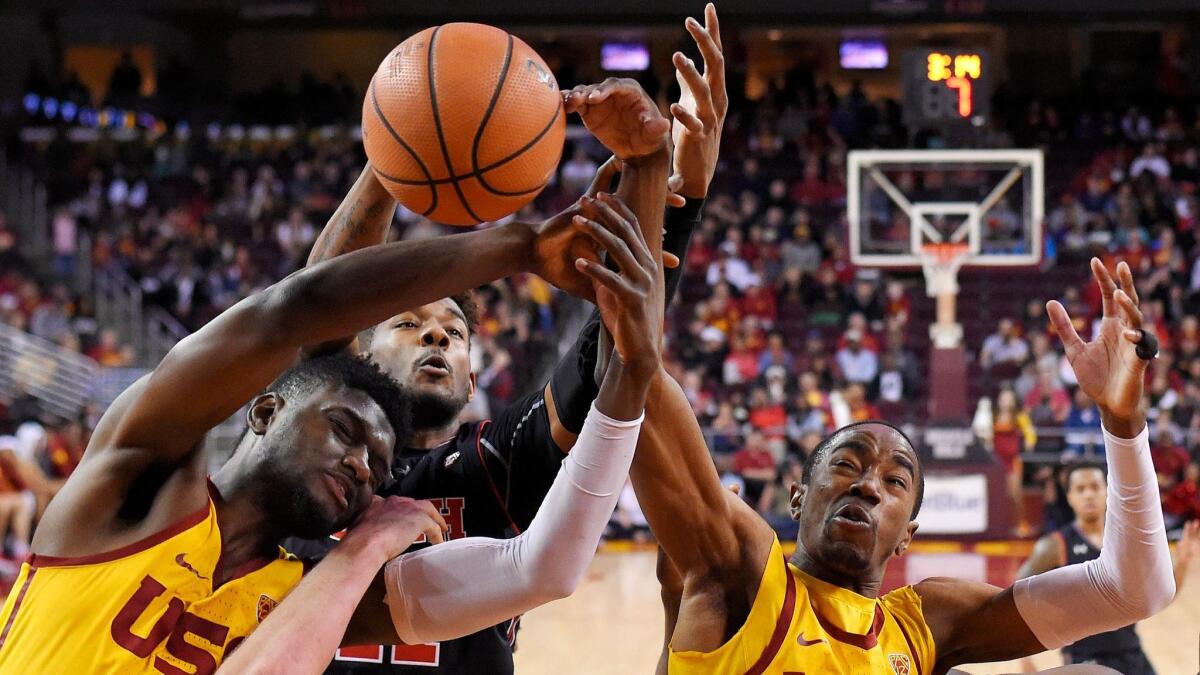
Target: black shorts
<point>1127,663</point>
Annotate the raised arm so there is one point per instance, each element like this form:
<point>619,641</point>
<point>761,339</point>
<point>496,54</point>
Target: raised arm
<point>362,219</point>
<point>457,588</point>
<point>157,423</point>
<point>1131,579</point>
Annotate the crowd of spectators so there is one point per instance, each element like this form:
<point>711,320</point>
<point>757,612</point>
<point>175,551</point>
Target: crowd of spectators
<point>776,337</point>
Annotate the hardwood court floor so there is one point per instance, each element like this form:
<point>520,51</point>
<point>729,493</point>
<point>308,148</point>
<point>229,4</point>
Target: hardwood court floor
<point>613,624</point>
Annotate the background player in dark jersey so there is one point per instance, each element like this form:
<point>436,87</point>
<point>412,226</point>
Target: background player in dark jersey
<point>1087,488</point>
<point>490,476</point>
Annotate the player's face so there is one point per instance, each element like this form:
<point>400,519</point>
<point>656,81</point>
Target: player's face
<point>855,511</point>
<point>427,350</point>
<point>325,456</point>
<point>1086,492</point>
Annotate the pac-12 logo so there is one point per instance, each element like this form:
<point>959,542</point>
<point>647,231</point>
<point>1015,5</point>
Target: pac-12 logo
<point>900,664</point>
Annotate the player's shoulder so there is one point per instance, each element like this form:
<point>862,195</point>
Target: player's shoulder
<point>949,595</point>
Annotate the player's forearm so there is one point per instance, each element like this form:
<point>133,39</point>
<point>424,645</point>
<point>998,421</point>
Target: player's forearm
<point>342,296</point>
<point>301,634</point>
<point>361,220</point>
<point>623,392</point>
<point>1132,578</point>
<point>643,188</point>
<point>678,487</point>
<point>462,586</point>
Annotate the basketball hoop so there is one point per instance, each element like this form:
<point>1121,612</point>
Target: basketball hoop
<point>941,261</point>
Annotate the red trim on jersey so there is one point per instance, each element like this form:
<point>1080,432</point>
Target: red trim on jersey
<point>911,649</point>
<point>781,626</point>
<point>867,641</point>
<point>488,472</point>
<point>16,606</point>
<point>186,523</point>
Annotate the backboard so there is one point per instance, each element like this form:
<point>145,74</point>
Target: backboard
<point>900,201</point>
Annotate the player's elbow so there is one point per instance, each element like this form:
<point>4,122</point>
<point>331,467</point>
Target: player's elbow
<point>1157,593</point>
<point>1145,595</point>
<point>555,584</point>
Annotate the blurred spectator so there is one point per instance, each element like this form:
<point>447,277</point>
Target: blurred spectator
<point>857,363</point>
<point>1011,434</point>
<point>1048,402</point>
<point>1182,502</point>
<point>17,503</point>
<point>729,267</point>
<point>756,466</point>
<point>1081,430</point>
<point>776,354</point>
<point>1151,160</point>
<point>1170,459</point>
<point>1004,347</point>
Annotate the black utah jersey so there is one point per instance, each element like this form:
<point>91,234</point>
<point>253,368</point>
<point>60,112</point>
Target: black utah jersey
<point>489,481</point>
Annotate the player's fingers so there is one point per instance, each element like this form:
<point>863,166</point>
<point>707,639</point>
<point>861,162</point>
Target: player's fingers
<point>600,92</point>
<point>435,513</point>
<point>712,25</point>
<point>1130,312</point>
<point>714,67</point>
<point>654,125</point>
<point>1125,276</point>
<point>676,200</point>
<point>617,248</point>
<point>670,260</point>
<point>1107,287</point>
<point>575,98</point>
<point>699,88</point>
<point>604,176</point>
<point>1066,331</point>
<point>433,533</point>
<point>687,119</point>
<point>604,276</point>
<point>622,210</point>
<point>627,227</point>
<point>704,40</point>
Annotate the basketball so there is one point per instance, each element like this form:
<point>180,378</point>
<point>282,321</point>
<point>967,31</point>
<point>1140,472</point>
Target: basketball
<point>463,123</point>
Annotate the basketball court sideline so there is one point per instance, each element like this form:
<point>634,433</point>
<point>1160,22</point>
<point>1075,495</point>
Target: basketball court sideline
<point>614,622</point>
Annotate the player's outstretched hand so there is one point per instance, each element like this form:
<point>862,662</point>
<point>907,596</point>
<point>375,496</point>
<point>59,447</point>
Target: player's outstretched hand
<point>700,113</point>
<point>630,300</point>
<point>391,525</point>
<point>620,115</point>
<point>1108,368</point>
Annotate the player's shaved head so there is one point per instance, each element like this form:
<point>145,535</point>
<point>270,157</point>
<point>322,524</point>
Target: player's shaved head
<point>830,441</point>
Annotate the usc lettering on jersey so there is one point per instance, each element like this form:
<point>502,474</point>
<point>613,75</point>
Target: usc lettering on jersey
<point>800,625</point>
<point>149,607</point>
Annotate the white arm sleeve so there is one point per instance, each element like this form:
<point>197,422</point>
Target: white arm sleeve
<point>463,586</point>
<point>1131,580</point>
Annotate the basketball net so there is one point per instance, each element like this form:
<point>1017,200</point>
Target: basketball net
<point>940,262</point>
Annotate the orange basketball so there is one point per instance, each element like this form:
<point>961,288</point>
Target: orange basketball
<point>463,123</point>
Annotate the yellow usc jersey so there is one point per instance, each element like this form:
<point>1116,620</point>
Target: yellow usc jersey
<point>800,625</point>
<point>149,607</point>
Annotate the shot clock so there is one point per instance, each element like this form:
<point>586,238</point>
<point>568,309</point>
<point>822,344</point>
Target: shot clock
<point>946,87</point>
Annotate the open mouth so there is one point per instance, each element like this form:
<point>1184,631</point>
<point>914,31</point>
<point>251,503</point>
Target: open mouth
<point>339,487</point>
<point>434,365</point>
<point>853,515</point>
